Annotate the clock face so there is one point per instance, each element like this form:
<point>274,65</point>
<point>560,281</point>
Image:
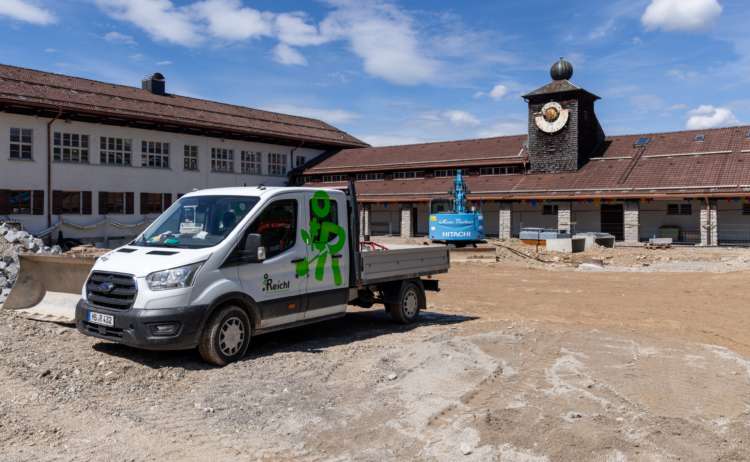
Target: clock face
<point>552,118</point>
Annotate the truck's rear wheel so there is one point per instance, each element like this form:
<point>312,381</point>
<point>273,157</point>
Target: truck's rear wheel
<point>410,299</point>
<point>226,336</point>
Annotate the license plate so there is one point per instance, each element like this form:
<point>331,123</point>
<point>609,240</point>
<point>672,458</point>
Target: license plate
<point>101,319</point>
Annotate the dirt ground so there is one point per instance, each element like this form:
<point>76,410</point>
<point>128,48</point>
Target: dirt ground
<point>515,360</point>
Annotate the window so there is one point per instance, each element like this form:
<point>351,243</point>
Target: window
<point>299,161</point>
<point>21,202</point>
<point>332,216</point>
<point>70,147</point>
<point>154,154</point>
<point>510,170</point>
<point>115,151</point>
<point>549,209</point>
<point>250,162</point>
<point>406,175</point>
<point>679,209</point>
<point>643,141</point>
<point>369,176</point>
<point>277,226</point>
<point>222,160</point>
<point>71,202</point>
<point>700,138</point>
<point>191,157</point>
<point>155,202</point>
<point>334,178</point>
<point>445,172</point>
<point>116,203</point>
<point>21,143</point>
<point>276,164</point>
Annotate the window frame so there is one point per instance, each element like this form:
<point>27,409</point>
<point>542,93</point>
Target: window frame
<point>21,141</point>
<point>550,210</point>
<point>155,154</point>
<point>121,154</point>
<point>680,209</point>
<point>222,156</point>
<point>60,145</point>
<point>278,164</point>
<point>251,162</point>
<point>84,203</point>
<point>128,203</point>
<point>190,158</point>
<point>164,199</point>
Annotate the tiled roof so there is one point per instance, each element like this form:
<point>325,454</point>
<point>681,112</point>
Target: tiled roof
<point>20,87</point>
<point>487,151</point>
<point>670,164</point>
<point>557,87</point>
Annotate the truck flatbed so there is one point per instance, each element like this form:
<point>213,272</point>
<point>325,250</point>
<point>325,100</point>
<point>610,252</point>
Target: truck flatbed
<point>403,262</point>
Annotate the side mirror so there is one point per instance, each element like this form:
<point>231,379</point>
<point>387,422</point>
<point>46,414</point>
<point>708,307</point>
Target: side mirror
<point>253,251</point>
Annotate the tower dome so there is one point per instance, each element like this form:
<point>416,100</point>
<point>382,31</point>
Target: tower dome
<point>561,70</point>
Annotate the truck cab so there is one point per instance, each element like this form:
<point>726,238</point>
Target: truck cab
<point>222,265</point>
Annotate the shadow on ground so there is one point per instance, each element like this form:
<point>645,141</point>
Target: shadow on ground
<point>314,338</point>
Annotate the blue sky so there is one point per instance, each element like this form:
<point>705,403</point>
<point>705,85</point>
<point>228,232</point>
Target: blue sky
<point>400,71</point>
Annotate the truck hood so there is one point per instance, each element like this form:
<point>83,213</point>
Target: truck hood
<point>142,261</point>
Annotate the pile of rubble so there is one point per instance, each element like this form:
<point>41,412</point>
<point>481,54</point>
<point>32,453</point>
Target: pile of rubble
<point>13,242</point>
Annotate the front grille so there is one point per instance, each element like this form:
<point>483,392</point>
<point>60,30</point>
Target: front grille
<point>105,331</point>
<point>120,297</point>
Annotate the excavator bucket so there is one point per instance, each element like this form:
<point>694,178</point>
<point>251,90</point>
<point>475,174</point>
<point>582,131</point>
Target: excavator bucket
<point>49,286</point>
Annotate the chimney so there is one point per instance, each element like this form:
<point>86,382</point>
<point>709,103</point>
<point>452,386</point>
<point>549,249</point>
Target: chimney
<point>155,83</point>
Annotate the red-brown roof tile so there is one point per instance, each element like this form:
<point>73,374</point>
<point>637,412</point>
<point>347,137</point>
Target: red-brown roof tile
<point>31,88</point>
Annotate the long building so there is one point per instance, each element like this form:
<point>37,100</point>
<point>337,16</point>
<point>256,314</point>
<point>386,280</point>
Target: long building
<point>98,161</point>
<point>564,173</point>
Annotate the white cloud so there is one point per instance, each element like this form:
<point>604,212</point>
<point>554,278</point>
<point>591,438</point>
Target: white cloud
<point>164,63</point>
<point>50,50</point>
<point>26,11</point>
<point>460,118</point>
<point>159,18</point>
<point>707,116</point>
<point>293,29</point>
<point>332,116</point>
<point>603,30</point>
<point>284,54</point>
<point>391,140</point>
<point>381,34</point>
<point>116,37</point>
<point>689,15</point>
<point>498,92</point>
<point>504,128</point>
<point>384,38</point>
<point>229,20</point>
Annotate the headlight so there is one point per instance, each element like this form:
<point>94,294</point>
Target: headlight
<point>173,278</point>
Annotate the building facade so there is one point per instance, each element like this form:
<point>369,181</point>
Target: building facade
<point>565,173</point>
<point>97,161</point>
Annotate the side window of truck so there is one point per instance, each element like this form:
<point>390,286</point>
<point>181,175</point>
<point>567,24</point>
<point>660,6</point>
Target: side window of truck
<point>333,214</point>
<point>277,226</point>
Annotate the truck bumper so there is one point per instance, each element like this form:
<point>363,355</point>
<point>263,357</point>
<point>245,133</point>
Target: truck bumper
<point>138,328</point>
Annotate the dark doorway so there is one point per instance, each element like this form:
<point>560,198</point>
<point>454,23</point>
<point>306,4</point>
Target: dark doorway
<point>613,220</point>
<point>414,222</point>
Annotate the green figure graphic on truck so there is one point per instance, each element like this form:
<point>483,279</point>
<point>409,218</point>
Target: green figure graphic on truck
<point>325,237</point>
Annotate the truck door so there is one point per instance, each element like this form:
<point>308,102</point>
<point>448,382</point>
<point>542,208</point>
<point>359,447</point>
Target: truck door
<point>327,266</point>
<point>274,283</point>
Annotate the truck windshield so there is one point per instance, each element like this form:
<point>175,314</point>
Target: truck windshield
<point>197,222</point>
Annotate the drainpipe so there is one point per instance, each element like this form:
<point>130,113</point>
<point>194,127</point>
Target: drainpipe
<point>49,168</point>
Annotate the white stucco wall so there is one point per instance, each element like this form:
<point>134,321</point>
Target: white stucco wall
<point>32,175</point>
<point>653,215</point>
<point>733,226</point>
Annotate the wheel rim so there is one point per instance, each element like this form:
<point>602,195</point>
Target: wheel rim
<point>410,303</point>
<point>232,336</point>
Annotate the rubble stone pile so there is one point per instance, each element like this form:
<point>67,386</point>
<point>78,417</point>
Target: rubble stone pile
<point>13,242</point>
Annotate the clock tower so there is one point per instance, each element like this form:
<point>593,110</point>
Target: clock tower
<point>564,132</point>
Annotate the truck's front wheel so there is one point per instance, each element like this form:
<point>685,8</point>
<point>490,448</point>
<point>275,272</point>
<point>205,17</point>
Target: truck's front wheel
<point>226,336</point>
<point>408,301</point>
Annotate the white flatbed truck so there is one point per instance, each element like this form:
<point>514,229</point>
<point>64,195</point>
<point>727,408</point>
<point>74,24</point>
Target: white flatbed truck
<point>223,265</point>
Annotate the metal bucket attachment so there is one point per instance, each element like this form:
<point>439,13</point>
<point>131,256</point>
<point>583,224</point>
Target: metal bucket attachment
<point>49,286</point>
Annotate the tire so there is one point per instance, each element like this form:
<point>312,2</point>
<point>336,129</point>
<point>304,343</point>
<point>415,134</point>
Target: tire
<point>410,300</point>
<point>226,337</point>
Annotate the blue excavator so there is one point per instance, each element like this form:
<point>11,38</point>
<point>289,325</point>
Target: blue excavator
<point>457,226</point>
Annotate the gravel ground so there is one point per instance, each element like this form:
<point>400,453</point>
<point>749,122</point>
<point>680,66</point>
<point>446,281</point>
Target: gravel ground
<point>509,364</point>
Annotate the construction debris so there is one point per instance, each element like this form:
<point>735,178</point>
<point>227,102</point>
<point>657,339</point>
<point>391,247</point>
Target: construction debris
<point>13,242</point>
